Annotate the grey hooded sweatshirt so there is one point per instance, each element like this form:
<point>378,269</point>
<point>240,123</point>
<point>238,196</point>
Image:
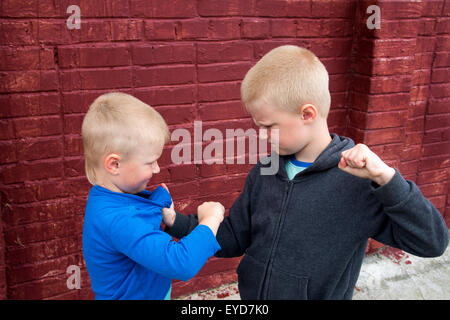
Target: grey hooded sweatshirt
<point>305,238</point>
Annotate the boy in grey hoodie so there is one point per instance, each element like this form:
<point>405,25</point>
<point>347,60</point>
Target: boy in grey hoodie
<point>304,229</point>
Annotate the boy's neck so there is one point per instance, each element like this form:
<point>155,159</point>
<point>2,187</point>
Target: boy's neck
<point>314,148</point>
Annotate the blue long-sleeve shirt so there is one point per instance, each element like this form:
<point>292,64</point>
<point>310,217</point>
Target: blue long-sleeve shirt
<point>127,254</point>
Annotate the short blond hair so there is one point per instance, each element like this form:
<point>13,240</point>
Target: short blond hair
<point>118,122</point>
<point>288,77</point>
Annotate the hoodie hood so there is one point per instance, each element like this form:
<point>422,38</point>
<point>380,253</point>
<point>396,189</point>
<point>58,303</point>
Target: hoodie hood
<point>327,159</point>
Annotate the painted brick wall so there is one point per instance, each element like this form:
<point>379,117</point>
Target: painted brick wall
<point>389,88</point>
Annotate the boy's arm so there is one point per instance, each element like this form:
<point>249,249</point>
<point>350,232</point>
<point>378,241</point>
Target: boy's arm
<point>413,224</point>
<point>406,220</point>
<point>234,232</point>
<point>155,250</point>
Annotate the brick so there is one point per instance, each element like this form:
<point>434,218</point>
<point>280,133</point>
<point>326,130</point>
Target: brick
<point>73,145</point>
<point>384,136</point>
<point>377,85</point>
<point>8,151</point>
<point>255,28</point>
<point>19,8</point>
<point>39,148</point>
<point>162,54</point>
<point>424,60</point>
<point>324,27</point>
<point>415,124</point>
<point>31,171</point>
<point>425,44</point>
<point>37,126</point>
<point>442,59</point>
<point>283,28</point>
<point>437,121</point>
<point>381,102</point>
<point>223,29</point>
<point>443,25</point>
<point>426,26</point>
<point>437,149</point>
<point>396,29</point>
<point>160,30</point>
<point>177,114</point>
<point>400,65</point>
<point>184,172</point>
<point>219,91</point>
<point>434,163</point>
<point>335,9</point>
<point>443,43</point>
<point>420,93</point>
<point>432,8</point>
<point>440,90</point>
<point>420,77</point>
<point>387,47</point>
<point>96,79</point>
<point>438,106</point>
<point>398,9</point>
<point>223,71</point>
<point>94,56</point>
<point>331,47</point>
<point>166,96</point>
<point>440,75</point>
<point>337,118</point>
<point>42,269</point>
<point>28,81</point>
<point>431,176</point>
<point>19,105</point>
<point>222,110</point>
<point>163,9</point>
<point>336,65</point>
<point>216,8</point>
<point>377,120</point>
<point>147,77</point>
<point>434,189</point>
<point>18,32</point>
<point>280,8</point>
<point>26,59</point>
<point>224,52</point>
<point>125,30</point>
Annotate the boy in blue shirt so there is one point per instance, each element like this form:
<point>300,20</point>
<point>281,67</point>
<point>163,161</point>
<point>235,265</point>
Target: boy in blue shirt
<point>304,229</point>
<point>127,254</point>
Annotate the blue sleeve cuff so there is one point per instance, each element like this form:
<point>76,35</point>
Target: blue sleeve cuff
<point>209,237</point>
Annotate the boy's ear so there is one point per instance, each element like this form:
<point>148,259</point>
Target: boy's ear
<point>308,112</point>
<point>112,163</point>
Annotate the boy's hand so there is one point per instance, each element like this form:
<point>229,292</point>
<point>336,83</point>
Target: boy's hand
<point>360,161</point>
<point>211,214</point>
<point>168,213</point>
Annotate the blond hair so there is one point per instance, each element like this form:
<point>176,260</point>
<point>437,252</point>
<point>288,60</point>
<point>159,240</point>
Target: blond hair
<point>288,77</point>
<point>118,122</point>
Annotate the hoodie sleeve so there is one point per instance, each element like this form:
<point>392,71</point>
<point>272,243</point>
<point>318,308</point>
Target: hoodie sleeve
<point>155,249</point>
<point>409,221</point>
<point>235,230</point>
<point>233,234</point>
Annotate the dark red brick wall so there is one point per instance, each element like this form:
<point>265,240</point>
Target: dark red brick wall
<point>389,87</point>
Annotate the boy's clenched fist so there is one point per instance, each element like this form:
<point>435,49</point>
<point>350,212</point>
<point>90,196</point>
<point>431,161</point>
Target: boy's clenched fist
<point>360,161</point>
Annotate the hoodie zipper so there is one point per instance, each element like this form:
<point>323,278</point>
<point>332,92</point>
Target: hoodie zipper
<point>265,283</point>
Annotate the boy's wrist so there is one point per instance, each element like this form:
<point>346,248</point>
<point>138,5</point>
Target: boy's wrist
<point>211,222</point>
<point>385,176</point>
